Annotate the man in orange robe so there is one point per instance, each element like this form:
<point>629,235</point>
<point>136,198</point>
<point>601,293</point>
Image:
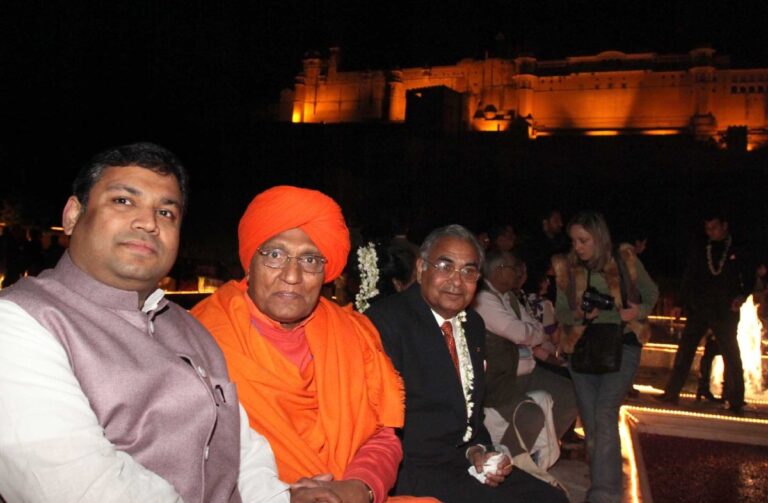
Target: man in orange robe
<point>312,376</point>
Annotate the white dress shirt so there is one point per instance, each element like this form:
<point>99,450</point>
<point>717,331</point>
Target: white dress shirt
<point>52,447</point>
<point>464,359</point>
<point>501,319</point>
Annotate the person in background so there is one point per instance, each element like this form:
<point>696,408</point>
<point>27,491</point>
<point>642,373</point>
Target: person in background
<point>507,315</point>
<point>502,237</point>
<point>594,263</point>
<point>382,271</point>
<point>712,291</point>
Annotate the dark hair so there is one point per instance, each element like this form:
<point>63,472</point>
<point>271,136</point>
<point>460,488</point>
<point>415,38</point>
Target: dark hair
<point>714,214</point>
<point>145,155</point>
<point>497,229</point>
<point>547,212</point>
<point>495,257</point>
<point>395,263</point>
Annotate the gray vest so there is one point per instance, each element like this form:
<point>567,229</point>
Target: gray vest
<point>157,381</point>
<point>501,358</point>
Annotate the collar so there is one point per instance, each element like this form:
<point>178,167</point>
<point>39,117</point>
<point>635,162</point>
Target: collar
<point>78,281</point>
<point>493,289</point>
<point>440,320</point>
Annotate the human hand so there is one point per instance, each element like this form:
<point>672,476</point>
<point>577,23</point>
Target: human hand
<point>592,314</point>
<point>315,481</point>
<point>313,495</point>
<point>588,316</point>
<point>736,303</point>
<point>494,475</point>
<point>630,313</point>
<point>325,489</point>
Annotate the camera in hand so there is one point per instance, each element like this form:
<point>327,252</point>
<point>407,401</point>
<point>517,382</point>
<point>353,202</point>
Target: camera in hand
<point>592,299</point>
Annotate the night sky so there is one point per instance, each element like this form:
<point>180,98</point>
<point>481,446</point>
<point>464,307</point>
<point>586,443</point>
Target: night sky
<point>198,76</point>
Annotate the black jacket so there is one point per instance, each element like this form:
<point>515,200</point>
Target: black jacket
<point>435,419</point>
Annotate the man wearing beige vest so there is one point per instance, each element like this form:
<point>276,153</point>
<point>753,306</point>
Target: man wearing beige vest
<point>108,391</point>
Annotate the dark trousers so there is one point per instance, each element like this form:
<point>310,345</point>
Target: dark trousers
<point>723,325</point>
<point>450,483</point>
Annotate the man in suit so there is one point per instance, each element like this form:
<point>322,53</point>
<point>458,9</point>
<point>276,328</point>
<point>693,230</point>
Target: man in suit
<point>436,344</point>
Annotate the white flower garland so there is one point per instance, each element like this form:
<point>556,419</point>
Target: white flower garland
<point>467,373</point>
<point>369,276</point>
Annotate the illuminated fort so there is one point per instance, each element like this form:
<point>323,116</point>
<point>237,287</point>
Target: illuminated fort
<point>610,93</point>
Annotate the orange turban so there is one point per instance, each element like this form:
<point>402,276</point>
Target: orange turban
<point>283,208</point>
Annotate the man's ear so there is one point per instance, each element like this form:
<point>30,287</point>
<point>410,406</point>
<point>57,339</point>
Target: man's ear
<point>71,214</point>
<point>419,269</point>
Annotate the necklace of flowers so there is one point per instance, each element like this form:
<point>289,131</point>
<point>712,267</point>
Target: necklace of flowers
<point>467,372</point>
<point>721,264</point>
<point>369,276</point>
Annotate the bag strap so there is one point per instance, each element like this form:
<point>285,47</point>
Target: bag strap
<point>524,460</point>
<point>623,275</point>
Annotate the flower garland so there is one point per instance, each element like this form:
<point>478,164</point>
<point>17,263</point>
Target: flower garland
<point>467,372</point>
<point>721,264</point>
<point>367,261</point>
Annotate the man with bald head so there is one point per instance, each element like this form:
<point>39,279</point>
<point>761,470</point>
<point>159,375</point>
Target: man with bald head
<point>312,376</point>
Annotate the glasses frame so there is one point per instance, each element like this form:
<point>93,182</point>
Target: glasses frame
<point>462,272</point>
<point>300,259</point>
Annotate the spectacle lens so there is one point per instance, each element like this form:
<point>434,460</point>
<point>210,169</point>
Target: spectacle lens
<point>279,259</point>
<point>446,269</point>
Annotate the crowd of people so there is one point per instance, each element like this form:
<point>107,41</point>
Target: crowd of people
<point>338,368</point>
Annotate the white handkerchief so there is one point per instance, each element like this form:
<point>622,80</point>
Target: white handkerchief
<point>490,465</point>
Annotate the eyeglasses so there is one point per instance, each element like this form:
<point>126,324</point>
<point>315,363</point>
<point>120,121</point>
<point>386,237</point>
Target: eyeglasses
<point>445,269</point>
<point>278,259</point>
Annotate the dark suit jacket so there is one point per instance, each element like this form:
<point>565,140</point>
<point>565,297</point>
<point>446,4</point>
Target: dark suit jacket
<point>436,417</point>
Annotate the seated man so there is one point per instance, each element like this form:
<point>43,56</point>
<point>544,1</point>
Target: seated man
<point>436,343</point>
<point>312,376</point>
<point>108,392</point>
<point>507,318</point>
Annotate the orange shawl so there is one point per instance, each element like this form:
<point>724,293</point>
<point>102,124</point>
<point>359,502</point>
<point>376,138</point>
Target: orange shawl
<point>355,389</point>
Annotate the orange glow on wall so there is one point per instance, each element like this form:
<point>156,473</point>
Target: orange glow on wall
<point>495,126</point>
<point>608,94</point>
<point>661,132</point>
<point>607,132</point>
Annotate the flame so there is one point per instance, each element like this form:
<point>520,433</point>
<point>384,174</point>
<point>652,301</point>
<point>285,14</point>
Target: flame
<point>749,337</point>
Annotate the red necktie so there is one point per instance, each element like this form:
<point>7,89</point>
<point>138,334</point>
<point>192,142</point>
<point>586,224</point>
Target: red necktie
<point>447,330</point>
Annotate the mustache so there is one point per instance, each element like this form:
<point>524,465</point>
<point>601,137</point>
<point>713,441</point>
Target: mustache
<point>149,241</point>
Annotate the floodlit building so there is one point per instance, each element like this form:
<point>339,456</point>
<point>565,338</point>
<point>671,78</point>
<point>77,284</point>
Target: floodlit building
<point>611,93</point>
